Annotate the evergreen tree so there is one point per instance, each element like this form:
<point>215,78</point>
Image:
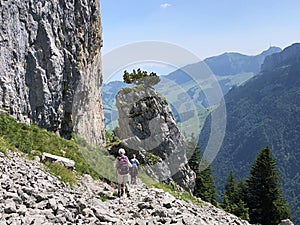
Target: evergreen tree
<point>193,154</point>
<point>266,205</point>
<point>232,198</point>
<point>141,77</point>
<point>231,189</point>
<point>204,187</point>
<point>242,190</point>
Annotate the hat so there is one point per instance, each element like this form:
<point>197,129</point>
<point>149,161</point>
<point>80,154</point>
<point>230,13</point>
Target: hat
<point>121,151</point>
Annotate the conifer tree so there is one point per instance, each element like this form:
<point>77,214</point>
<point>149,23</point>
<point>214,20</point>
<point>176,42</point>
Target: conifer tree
<point>140,77</point>
<point>231,189</point>
<point>266,205</point>
<point>232,198</point>
<point>194,160</point>
<point>204,187</point>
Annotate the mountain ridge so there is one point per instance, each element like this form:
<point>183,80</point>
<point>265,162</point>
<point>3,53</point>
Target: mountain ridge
<point>178,85</point>
<point>234,63</point>
<point>264,112</point>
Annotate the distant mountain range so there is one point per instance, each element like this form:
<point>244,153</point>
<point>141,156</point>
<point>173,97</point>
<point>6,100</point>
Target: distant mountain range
<point>109,92</point>
<point>183,92</point>
<point>236,63</point>
<point>265,111</point>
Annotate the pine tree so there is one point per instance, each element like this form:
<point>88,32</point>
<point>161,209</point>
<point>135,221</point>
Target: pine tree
<point>141,77</point>
<point>232,198</point>
<point>231,189</point>
<point>266,205</point>
<point>194,160</point>
<point>204,187</point>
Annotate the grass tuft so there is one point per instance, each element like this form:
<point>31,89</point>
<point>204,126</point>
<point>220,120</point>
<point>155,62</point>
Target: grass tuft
<point>62,173</point>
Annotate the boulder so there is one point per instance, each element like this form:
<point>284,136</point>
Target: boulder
<point>59,159</point>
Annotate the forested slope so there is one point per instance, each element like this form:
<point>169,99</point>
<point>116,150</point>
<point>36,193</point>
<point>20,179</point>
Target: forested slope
<point>264,112</point>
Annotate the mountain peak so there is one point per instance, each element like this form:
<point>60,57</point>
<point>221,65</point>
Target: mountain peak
<point>234,63</point>
<point>288,56</point>
<point>271,50</point>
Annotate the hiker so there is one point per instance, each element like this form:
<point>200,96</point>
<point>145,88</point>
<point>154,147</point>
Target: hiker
<point>134,169</point>
<point>122,165</point>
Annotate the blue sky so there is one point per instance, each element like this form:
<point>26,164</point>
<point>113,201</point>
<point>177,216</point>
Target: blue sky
<point>206,28</point>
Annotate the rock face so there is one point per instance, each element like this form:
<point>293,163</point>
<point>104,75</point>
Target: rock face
<point>146,124</point>
<point>29,195</point>
<point>50,71</point>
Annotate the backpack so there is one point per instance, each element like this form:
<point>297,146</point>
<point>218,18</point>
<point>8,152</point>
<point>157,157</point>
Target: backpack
<point>123,167</point>
<point>134,163</point>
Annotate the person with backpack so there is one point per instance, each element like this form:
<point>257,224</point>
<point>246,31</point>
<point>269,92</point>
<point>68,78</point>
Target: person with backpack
<point>134,169</point>
<point>122,166</point>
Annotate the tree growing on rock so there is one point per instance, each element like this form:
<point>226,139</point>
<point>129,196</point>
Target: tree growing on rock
<point>265,201</point>
<point>141,77</point>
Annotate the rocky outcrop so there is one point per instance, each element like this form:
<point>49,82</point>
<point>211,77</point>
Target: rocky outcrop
<point>50,71</point>
<point>29,195</point>
<point>146,124</point>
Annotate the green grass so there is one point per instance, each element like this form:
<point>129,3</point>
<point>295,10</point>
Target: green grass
<point>184,195</point>
<point>62,173</point>
<point>4,145</point>
<point>100,160</point>
<point>33,141</point>
<point>171,189</point>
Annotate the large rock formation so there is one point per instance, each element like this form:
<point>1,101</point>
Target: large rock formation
<point>50,71</point>
<point>146,124</point>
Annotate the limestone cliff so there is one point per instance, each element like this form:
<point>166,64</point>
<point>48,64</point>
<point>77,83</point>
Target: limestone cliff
<point>146,124</point>
<point>50,65</point>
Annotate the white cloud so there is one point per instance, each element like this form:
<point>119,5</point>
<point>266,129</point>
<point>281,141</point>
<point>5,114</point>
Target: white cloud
<point>165,5</point>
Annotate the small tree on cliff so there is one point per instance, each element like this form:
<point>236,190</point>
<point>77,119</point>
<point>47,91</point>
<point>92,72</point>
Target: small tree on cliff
<point>141,77</point>
<point>266,205</point>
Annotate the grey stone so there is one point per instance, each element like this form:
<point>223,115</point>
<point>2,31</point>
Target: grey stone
<point>147,125</point>
<point>10,206</point>
<point>87,212</point>
<point>286,222</point>
<point>52,204</point>
<point>50,70</point>
<point>62,160</point>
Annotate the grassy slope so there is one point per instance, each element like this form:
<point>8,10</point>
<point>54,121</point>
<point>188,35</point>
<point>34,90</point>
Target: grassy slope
<point>33,141</point>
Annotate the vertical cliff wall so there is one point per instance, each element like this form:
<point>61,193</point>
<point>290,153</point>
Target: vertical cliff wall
<point>50,65</point>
